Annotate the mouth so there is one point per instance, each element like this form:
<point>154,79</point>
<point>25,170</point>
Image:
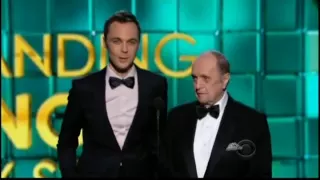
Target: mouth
<point>200,94</point>
<point>123,60</point>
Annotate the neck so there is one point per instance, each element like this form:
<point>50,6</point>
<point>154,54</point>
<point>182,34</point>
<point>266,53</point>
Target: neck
<point>120,73</point>
<point>211,103</point>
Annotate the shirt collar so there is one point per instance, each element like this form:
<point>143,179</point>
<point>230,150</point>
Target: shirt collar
<point>110,72</point>
<point>223,101</point>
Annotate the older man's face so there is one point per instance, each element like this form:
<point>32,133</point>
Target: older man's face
<point>209,82</point>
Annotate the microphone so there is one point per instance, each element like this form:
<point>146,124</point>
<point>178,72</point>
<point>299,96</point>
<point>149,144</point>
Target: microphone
<point>159,104</point>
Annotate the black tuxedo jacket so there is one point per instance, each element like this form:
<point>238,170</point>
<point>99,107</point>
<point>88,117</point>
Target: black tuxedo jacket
<point>102,156</point>
<point>239,122</point>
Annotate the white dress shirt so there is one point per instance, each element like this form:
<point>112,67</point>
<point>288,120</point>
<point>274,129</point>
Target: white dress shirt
<point>205,135</point>
<point>121,104</point>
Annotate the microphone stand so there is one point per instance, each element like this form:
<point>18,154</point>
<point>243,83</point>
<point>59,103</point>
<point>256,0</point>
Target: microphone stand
<point>159,105</point>
<point>158,141</point>
<point>158,133</point>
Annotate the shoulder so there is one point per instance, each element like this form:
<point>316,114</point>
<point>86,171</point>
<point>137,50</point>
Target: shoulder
<point>247,110</point>
<point>90,79</point>
<point>151,76</point>
<point>156,82</point>
<point>178,115</point>
<point>250,115</point>
<point>182,109</point>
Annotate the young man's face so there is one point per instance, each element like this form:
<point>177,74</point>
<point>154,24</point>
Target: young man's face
<point>122,42</point>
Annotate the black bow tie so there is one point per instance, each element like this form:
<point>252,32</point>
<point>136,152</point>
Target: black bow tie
<point>115,82</point>
<point>203,111</point>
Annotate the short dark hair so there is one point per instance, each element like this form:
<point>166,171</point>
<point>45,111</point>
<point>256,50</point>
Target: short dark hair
<point>122,17</point>
<point>222,61</point>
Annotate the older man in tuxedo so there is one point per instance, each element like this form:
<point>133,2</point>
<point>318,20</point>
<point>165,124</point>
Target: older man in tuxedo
<point>216,136</point>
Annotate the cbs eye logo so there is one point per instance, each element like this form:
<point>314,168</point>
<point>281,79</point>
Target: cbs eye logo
<point>245,148</point>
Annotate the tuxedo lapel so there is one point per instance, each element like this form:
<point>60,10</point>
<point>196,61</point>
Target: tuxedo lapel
<point>142,96</point>
<point>101,106</point>
<point>190,129</point>
<point>224,136</point>
<point>101,92</point>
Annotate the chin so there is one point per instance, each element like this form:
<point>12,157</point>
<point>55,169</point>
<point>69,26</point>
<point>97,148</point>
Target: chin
<point>124,67</point>
<point>202,101</point>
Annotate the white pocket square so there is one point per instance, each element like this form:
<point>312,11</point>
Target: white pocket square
<point>233,147</point>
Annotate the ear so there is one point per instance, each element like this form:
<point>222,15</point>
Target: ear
<point>225,80</point>
<point>104,40</point>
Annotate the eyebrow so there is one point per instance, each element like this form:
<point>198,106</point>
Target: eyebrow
<point>201,75</point>
<point>117,38</point>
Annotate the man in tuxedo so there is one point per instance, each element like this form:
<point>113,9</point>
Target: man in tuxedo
<point>114,108</point>
<point>216,136</point>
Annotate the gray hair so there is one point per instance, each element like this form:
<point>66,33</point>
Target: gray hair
<point>222,61</point>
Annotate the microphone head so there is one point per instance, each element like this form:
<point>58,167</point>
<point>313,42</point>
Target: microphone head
<point>158,103</point>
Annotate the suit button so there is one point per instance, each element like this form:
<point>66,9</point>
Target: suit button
<point>121,164</point>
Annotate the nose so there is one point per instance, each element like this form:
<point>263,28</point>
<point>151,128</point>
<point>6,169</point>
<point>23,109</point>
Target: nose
<point>197,85</point>
<point>124,48</point>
